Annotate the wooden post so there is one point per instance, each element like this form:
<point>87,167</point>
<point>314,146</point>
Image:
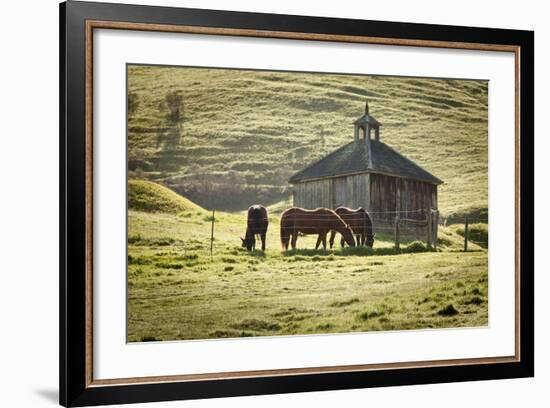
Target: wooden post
<point>397,232</point>
<point>466,235</point>
<point>429,228</point>
<point>435,226</point>
<point>212,233</point>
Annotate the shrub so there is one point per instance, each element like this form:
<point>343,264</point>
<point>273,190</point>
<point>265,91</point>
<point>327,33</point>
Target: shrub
<point>476,300</point>
<point>477,233</point>
<point>149,338</point>
<point>416,246</point>
<point>138,260</point>
<point>133,239</point>
<point>344,302</point>
<point>229,333</point>
<point>256,325</point>
<point>448,310</point>
<point>169,265</point>
<point>377,311</point>
<point>133,103</point>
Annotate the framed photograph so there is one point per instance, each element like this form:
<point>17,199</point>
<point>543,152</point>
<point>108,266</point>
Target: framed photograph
<point>256,204</point>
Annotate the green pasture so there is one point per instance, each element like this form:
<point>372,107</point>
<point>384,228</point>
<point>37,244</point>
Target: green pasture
<point>238,138</point>
<point>178,291</point>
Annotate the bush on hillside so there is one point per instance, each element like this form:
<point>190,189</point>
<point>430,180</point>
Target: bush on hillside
<point>477,233</point>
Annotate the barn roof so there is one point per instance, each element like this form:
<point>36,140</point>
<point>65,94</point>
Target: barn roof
<point>352,158</point>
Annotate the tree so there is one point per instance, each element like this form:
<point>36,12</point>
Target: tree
<point>133,103</point>
<point>171,133</point>
<point>173,103</point>
<point>172,137</point>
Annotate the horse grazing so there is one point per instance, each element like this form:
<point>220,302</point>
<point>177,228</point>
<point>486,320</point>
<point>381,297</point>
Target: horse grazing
<point>319,221</point>
<point>360,223</point>
<point>256,223</point>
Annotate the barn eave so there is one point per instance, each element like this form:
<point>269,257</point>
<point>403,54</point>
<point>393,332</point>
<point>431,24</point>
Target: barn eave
<point>305,180</point>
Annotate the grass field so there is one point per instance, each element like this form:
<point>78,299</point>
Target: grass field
<point>177,291</point>
<point>238,138</point>
<point>252,130</point>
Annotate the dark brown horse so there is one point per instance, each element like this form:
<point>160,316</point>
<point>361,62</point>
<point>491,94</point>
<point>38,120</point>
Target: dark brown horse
<point>256,224</point>
<point>319,221</point>
<point>360,223</point>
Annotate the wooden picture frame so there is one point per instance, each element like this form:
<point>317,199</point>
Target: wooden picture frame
<point>78,20</point>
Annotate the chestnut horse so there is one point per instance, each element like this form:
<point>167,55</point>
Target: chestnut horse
<point>256,223</point>
<point>360,223</point>
<point>319,221</point>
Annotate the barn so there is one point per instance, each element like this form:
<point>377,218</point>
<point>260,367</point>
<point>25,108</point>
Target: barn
<point>370,174</point>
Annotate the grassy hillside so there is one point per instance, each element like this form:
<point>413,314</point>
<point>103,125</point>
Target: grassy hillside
<point>152,197</point>
<point>243,133</point>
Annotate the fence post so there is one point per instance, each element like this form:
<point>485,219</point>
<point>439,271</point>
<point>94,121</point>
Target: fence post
<point>466,235</point>
<point>435,227</point>
<point>397,232</point>
<point>429,228</point>
<point>212,232</point>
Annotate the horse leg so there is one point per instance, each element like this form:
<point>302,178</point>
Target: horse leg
<point>253,238</point>
<point>285,237</point>
<point>294,239</point>
<point>318,241</point>
<point>342,241</point>
<point>331,240</point>
<point>325,241</point>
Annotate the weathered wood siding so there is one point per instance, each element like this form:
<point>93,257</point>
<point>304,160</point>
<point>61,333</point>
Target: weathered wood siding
<point>393,195</point>
<point>383,196</point>
<point>350,191</point>
<point>313,194</point>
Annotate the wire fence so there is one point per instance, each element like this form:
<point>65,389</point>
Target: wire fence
<point>395,223</point>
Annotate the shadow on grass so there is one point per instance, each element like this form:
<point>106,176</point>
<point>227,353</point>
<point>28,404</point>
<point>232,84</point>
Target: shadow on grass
<point>258,253</point>
<point>413,247</point>
<point>309,252</point>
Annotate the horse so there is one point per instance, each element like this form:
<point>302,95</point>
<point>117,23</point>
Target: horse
<point>360,223</point>
<point>256,223</point>
<point>319,221</point>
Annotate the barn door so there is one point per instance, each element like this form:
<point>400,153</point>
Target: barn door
<point>340,192</point>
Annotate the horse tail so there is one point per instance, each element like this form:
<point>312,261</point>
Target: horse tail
<point>368,224</point>
<point>368,228</point>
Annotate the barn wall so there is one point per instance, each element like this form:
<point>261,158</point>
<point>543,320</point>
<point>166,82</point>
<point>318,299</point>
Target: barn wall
<point>391,196</point>
<point>313,194</point>
<point>383,196</point>
<point>349,191</point>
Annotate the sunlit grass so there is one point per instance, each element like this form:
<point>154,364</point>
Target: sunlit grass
<point>177,290</point>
